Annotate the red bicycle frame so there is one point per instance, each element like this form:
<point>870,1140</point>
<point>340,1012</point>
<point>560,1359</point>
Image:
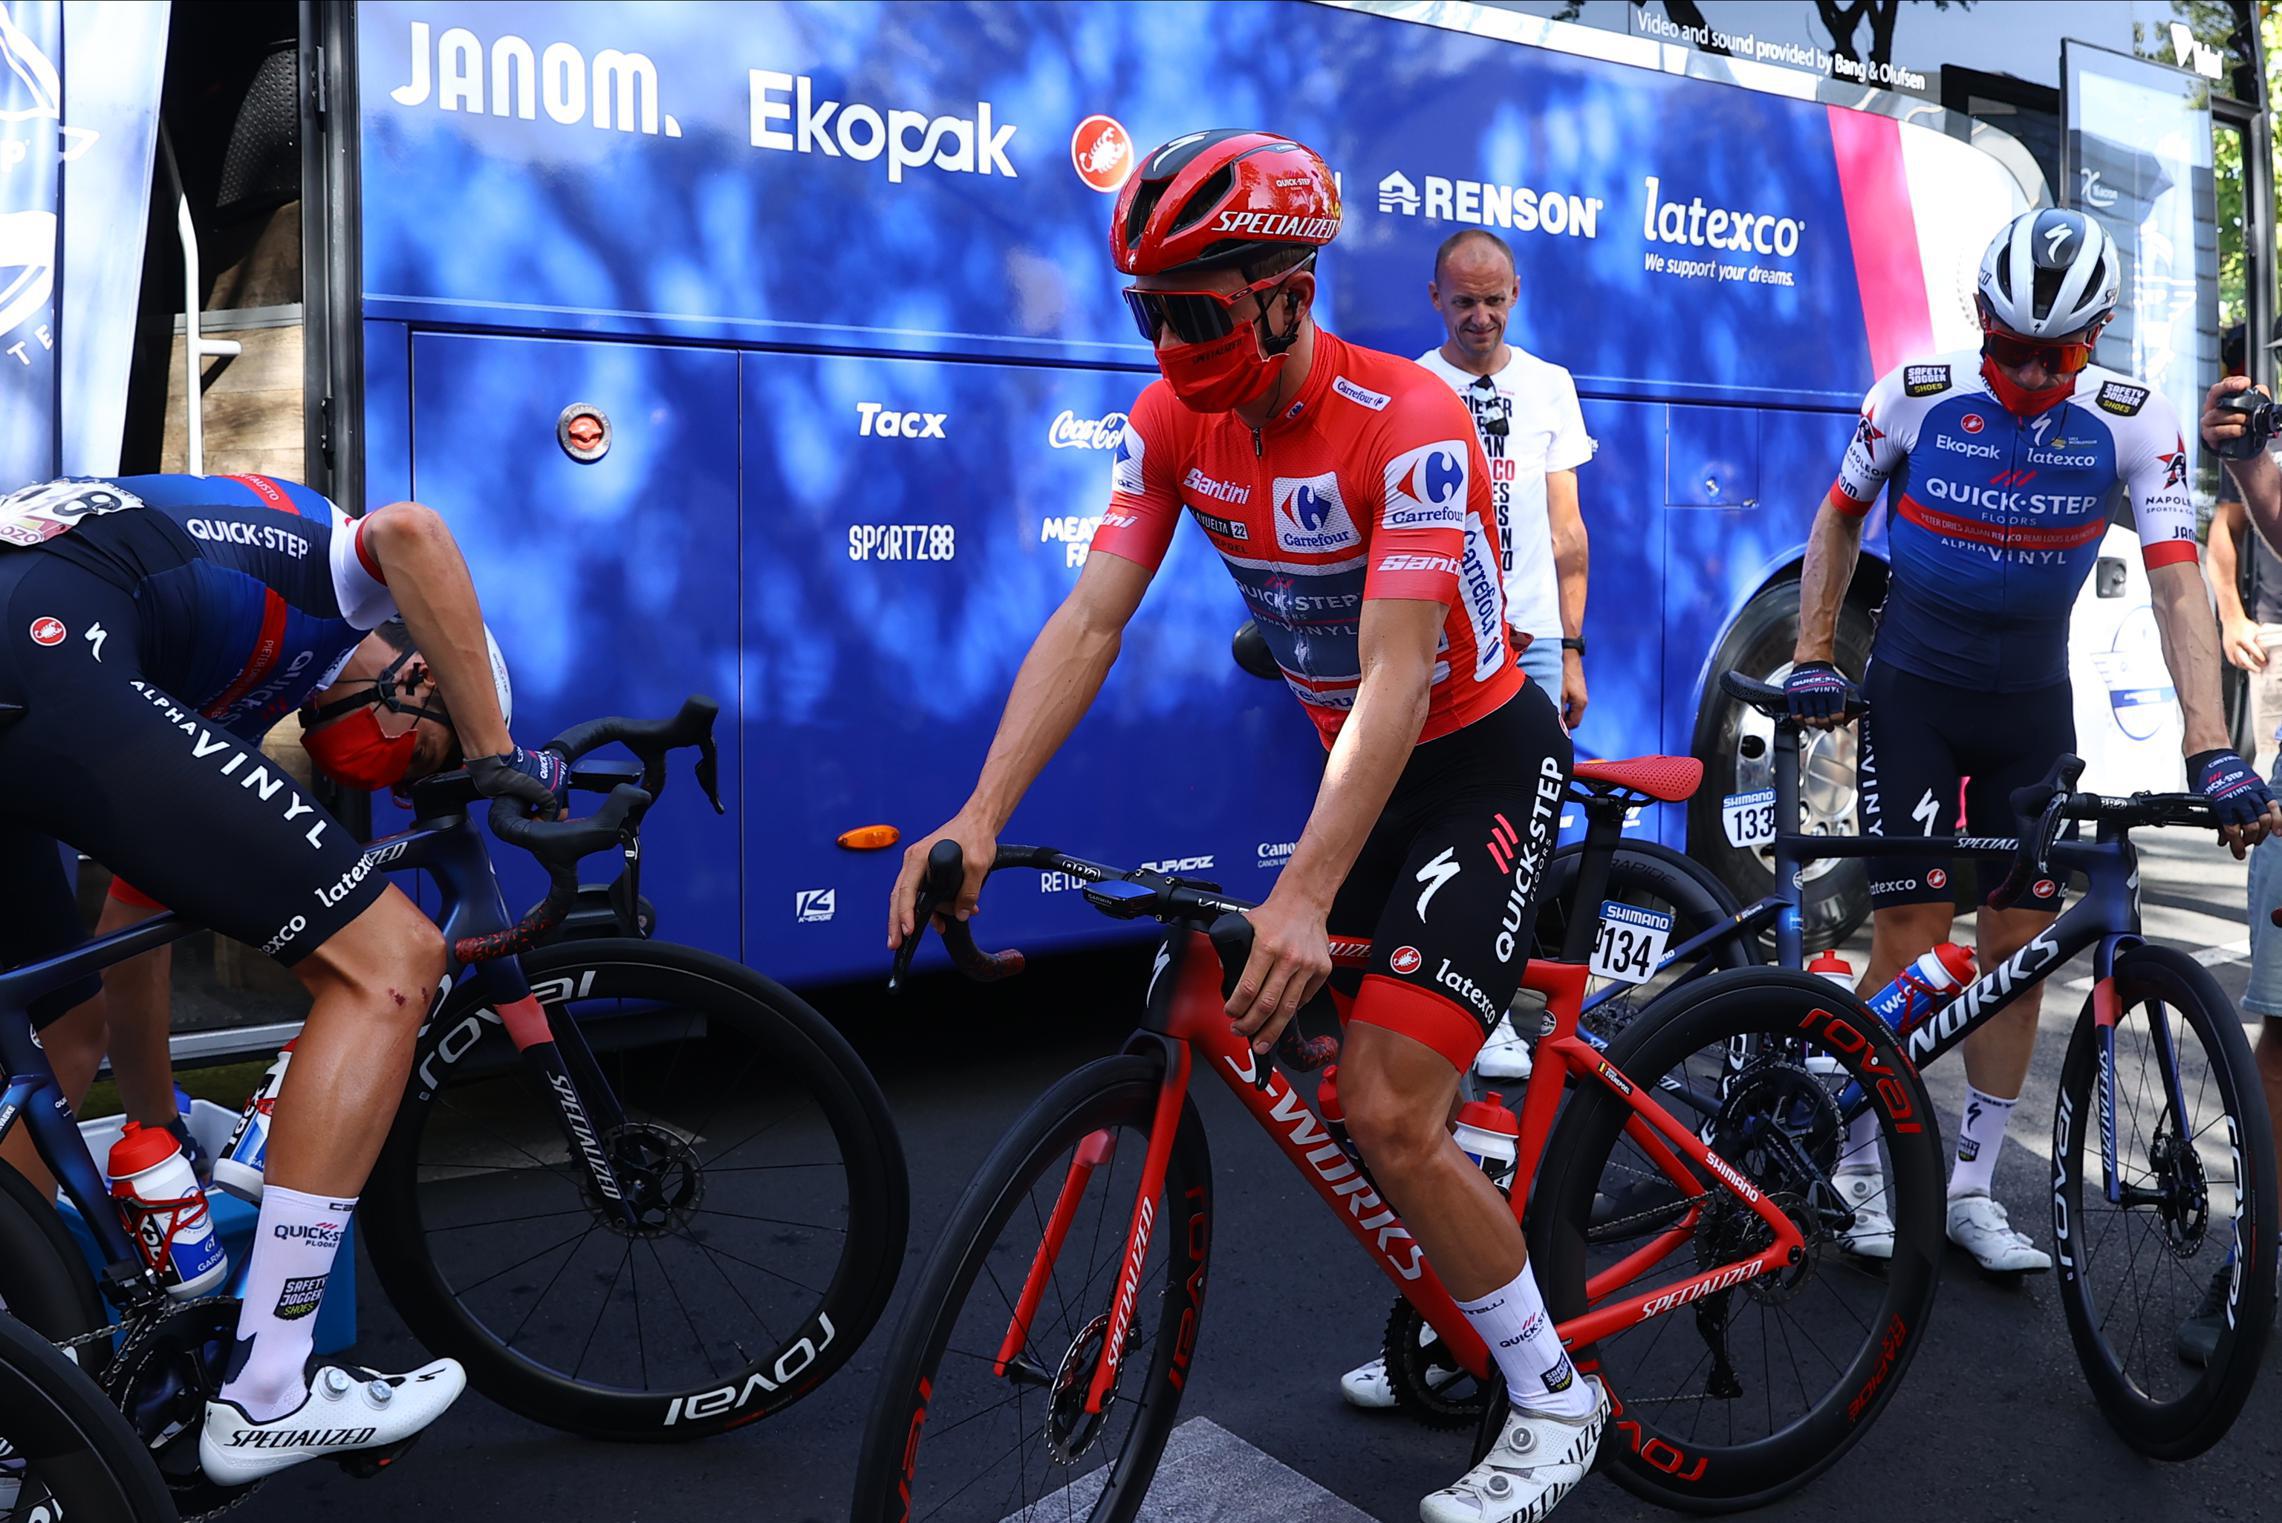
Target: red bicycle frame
<point>1192,1019</point>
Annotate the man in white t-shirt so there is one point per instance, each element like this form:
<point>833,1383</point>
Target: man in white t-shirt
<point>1525,410</point>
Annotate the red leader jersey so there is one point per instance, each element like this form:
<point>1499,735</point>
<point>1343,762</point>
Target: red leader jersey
<point>1369,484</point>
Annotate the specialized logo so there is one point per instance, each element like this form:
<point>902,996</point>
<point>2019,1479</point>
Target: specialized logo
<point>1735,229</point>
<point>1311,516</point>
<point>1485,203</point>
<point>1434,874</point>
<point>1358,395</point>
<point>558,79</point>
<point>812,906</point>
<point>2124,401</point>
<point>1219,491</point>
<point>909,139</point>
<point>1304,1134</point>
<point>1101,151</point>
<point>875,421</point>
<point>1289,225</point>
<point>1924,380</point>
<point>48,631</point>
<point>293,1438</point>
<point>1973,423</point>
<point>1406,960</point>
<point>1069,431</point>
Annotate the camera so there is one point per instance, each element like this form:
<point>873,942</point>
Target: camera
<point>2262,418</point>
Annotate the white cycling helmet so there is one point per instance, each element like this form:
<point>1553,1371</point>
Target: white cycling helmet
<point>2049,273</point>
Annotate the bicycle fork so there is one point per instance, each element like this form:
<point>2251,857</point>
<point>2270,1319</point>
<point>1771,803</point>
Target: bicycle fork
<point>586,1109</point>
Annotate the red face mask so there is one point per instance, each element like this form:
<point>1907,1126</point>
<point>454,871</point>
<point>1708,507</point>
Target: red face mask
<point>352,750</point>
<point>1220,374</point>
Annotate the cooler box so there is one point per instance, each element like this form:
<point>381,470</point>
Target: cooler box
<point>336,1325</point>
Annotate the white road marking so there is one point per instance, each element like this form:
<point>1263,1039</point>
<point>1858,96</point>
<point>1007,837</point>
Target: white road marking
<point>1209,1475</point>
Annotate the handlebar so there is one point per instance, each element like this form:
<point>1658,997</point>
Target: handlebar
<point>1769,699</point>
<point>2043,807</point>
<point>560,845</point>
<point>1122,894</point>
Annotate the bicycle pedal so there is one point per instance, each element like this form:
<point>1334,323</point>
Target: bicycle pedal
<point>364,1464</point>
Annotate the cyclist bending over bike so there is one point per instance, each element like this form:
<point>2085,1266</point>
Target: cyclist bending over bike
<point>2004,468</point>
<point>1346,492</point>
<point>153,629</point>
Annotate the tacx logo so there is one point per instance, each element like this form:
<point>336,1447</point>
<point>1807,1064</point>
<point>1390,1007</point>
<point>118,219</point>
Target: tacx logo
<point>877,422</point>
<point>1311,515</point>
<point>908,139</point>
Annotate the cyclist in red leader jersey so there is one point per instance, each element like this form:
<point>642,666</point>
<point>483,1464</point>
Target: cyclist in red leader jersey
<point>1347,494</point>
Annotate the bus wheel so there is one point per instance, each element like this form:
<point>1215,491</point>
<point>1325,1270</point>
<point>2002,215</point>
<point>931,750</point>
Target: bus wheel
<point>1759,644</point>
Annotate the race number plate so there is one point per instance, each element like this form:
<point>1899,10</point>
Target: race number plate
<point>38,514</point>
<point>1749,817</point>
<point>1630,942</point>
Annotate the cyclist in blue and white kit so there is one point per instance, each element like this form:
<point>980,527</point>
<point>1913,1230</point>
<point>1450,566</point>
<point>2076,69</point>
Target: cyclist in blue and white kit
<point>2002,470</point>
<point>152,629</point>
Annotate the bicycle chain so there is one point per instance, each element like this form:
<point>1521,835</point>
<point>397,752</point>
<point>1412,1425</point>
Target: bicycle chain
<point>131,1340</point>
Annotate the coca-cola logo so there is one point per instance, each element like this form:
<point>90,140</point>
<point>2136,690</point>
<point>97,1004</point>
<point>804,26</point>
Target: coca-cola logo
<point>1102,152</point>
<point>1069,431</point>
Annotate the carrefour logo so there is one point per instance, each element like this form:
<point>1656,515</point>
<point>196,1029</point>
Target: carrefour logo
<point>1426,486</point>
<point>1311,515</point>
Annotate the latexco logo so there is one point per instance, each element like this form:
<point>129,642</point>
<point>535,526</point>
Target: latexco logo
<point>1485,203</point>
<point>908,139</point>
<point>1695,225</point>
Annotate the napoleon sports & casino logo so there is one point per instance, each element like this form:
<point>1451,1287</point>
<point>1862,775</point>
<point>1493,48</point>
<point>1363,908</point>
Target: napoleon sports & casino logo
<point>33,140</point>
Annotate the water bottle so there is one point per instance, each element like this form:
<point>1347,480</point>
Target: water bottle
<point>239,1169</point>
<point>1924,987</point>
<point>1840,972</point>
<point>1490,1134</point>
<point>1334,1114</point>
<point>165,1212</point>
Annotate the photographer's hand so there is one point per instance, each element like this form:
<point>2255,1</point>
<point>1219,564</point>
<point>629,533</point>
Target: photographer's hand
<point>2238,418</point>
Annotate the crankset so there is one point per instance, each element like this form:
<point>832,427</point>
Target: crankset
<point>171,1361</point>
<point>1430,1386</point>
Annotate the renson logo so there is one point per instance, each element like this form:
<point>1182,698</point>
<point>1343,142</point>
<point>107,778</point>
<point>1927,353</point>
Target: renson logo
<point>1694,225</point>
<point>1339,1173</point>
<point>452,68</point>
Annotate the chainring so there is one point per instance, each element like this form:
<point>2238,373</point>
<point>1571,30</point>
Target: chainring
<point>171,1361</point>
<point>1419,1369</point>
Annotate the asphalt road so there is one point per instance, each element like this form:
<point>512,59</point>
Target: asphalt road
<point>1993,1422</point>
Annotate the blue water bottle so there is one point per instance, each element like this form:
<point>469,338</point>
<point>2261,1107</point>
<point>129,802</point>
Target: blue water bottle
<point>1924,986</point>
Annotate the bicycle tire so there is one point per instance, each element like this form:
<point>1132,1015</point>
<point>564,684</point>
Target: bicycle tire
<point>1643,873</point>
<point>807,1062</point>
<point>71,1449</point>
<point>1647,1456</point>
<point>2185,1425</point>
<point>1113,1092</point>
<point>44,1278</point>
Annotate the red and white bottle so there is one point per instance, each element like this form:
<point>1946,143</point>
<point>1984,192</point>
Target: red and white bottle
<point>1490,1134</point>
<point>246,1156</point>
<point>165,1212</point>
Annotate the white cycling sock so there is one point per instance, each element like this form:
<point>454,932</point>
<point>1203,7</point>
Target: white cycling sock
<point>1862,1142</point>
<point>294,1244</point>
<point>1980,1135</point>
<point>1538,1375</point>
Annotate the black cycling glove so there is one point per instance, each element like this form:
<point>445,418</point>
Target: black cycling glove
<point>541,779</point>
<point>1818,690</point>
<point>2237,796</point>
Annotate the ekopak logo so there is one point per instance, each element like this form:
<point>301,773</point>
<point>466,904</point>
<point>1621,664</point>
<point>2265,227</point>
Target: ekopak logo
<point>1101,151</point>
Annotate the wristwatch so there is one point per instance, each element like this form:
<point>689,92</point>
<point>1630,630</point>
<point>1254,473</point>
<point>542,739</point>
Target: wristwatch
<point>1573,642</point>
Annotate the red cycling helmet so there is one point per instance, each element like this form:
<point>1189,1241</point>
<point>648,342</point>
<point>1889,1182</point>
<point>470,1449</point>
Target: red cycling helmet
<point>1212,198</point>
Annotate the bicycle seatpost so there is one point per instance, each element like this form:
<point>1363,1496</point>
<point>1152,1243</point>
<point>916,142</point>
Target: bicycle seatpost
<point>1604,827</point>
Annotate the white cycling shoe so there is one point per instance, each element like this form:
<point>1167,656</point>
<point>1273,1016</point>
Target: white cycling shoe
<point>1537,1461</point>
<point>348,1413</point>
<point>1505,1055</point>
<point>1864,1192</point>
<point>1370,1387</point>
<point>1979,1225</point>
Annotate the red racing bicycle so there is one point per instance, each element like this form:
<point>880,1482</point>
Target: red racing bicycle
<point>1680,1214</point>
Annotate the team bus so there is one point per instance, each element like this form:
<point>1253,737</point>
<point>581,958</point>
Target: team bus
<point>773,350</point>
